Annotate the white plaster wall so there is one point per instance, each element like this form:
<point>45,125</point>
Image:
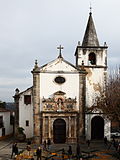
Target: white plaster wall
<point>6,122</point>
<point>26,113</point>
<point>94,84</point>
<point>48,86</point>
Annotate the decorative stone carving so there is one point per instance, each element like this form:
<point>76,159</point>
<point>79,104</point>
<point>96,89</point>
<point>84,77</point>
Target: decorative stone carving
<point>59,103</point>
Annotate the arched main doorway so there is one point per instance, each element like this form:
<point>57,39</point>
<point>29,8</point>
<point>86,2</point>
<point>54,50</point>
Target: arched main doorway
<point>59,131</point>
<point>97,128</point>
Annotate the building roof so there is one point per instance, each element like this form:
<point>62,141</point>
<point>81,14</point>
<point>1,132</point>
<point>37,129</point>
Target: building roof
<point>4,110</point>
<point>90,36</point>
<point>30,88</point>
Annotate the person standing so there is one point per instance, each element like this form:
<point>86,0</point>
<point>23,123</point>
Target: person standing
<point>105,141</point>
<point>44,145</point>
<point>88,143</point>
<point>118,148</point>
<point>39,153</point>
<point>13,149</point>
<point>49,142</point>
<point>16,149</point>
<point>63,153</point>
<point>70,152</point>
<point>78,151</point>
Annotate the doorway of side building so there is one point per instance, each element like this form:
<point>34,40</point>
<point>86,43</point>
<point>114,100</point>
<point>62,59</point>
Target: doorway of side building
<point>97,128</point>
<point>59,131</point>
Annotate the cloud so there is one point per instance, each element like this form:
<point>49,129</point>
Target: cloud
<point>32,30</point>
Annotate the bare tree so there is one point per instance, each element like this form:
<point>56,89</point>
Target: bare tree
<point>109,101</point>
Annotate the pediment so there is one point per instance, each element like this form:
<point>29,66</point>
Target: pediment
<point>59,65</point>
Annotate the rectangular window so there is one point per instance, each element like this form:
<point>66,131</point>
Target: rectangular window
<point>27,123</point>
<point>1,122</point>
<point>3,131</point>
<point>27,99</point>
<point>11,119</point>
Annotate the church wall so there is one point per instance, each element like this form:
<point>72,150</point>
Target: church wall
<point>95,81</point>
<point>48,86</point>
<point>26,114</point>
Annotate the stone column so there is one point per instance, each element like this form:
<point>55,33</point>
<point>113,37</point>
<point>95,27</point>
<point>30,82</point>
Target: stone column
<point>69,127</point>
<point>50,127</point>
<point>43,129</point>
<point>16,117</point>
<point>36,105</point>
<point>75,127</point>
<point>82,101</point>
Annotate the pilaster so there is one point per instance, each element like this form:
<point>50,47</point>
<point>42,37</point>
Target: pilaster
<point>36,104</point>
<point>81,113</point>
<point>16,116</point>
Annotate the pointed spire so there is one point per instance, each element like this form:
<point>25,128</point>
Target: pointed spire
<point>90,37</point>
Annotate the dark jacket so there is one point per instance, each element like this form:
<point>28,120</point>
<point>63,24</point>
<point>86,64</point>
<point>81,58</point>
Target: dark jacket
<point>38,152</point>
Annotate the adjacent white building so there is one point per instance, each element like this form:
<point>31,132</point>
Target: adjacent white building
<point>56,106</point>
<point>6,125</point>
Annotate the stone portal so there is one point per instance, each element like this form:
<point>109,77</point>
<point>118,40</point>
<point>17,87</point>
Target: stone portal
<point>59,131</point>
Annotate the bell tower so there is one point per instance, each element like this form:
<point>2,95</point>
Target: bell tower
<point>94,57</point>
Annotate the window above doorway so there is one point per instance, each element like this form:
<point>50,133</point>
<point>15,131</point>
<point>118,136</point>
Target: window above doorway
<point>59,80</point>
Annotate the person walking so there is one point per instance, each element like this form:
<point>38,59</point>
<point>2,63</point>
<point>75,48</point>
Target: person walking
<point>39,153</point>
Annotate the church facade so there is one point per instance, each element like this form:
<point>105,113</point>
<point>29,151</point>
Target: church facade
<point>57,105</point>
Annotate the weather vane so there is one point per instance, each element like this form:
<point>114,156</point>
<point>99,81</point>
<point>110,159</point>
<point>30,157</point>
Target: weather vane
<point>90,7</point>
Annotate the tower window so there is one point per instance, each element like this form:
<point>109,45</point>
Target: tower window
<point>27,123</point>
<point>92,58</point>
<point>27,99</point>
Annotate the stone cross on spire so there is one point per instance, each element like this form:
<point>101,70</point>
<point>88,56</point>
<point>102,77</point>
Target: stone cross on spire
<point>60,49</point>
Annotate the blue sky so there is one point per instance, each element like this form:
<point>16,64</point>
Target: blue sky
<point>32,29</point>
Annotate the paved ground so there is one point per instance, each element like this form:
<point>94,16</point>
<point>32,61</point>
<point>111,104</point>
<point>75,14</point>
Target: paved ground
<point>96,148</point>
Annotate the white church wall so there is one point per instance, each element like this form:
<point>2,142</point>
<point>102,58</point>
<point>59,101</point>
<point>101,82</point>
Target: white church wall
<point>48,86</point>
<point>26,114</point>
<point>94,84</point>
